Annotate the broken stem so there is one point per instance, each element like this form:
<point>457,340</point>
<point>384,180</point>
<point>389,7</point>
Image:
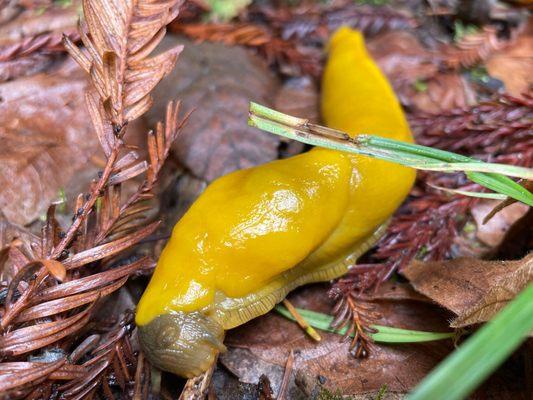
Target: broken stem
<point>301,321</point>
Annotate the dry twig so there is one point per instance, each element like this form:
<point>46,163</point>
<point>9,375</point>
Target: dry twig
<point>286,376</point>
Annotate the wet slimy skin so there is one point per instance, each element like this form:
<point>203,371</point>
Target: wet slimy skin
<point>256,234</point>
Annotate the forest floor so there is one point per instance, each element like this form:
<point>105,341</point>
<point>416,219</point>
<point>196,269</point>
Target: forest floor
<point>79,233</point>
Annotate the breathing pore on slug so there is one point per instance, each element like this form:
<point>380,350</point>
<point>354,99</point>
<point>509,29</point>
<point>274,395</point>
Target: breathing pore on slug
<point>256,234</point>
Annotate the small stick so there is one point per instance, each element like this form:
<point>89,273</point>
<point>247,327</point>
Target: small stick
<point>286,376</point>
<point>196,388</point>
<point>301,321</point>
<point>137,394</point>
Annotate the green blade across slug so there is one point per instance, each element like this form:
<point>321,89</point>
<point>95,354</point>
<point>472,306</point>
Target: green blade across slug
<point>384,334</point>
<point>502,185</point>
<point>468,366</point>
<point>480,195</point>
<point>490,175</point>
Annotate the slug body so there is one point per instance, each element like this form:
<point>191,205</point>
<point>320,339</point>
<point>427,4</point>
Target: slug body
<point>256,234</point>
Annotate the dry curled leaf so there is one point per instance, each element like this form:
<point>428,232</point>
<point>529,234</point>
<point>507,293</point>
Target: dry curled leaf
<point>473,289</point>
<point>261,347</point>
<point>218,82</point>
<point>475,48</point>
<point>445,91</point>
<point>513,64</point>
<point>30,41</point>
<point>46,139</point>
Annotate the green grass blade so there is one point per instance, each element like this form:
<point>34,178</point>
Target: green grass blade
<point>389,334</point>
<point>467,367</point>
<point>384,334</point>
<point>479,195</point>
<point>449,162</point>
<point>490,175</point>
<point>503,185</point>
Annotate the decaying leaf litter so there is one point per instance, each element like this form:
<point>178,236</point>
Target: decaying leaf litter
<point>88,353</point>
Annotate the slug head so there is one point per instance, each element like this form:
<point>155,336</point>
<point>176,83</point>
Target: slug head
<point>182,343</point>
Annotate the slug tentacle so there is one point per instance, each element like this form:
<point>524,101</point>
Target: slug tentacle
<point>183,343</point>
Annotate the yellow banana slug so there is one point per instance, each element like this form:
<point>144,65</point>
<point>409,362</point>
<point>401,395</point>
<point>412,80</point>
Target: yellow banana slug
<point>256,234</point>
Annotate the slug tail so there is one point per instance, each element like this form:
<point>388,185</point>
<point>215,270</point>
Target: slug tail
<point>182,343</point>
<point>347,37</point>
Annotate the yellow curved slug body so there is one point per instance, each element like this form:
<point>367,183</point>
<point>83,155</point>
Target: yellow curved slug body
<point>256,234</point>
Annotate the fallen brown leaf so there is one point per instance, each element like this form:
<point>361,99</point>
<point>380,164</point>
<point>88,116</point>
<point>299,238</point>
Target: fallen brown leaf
<point>475,48</point>
<point>262,346</point>
<point>445,91</point>
<point>514,64</point>
<point>299,97</point>
<point>46,139</point>
<point>497,296</point>
<point>414,72</point>
<point>402,57</point>
<point>31,22</point>
<point>493,231</point>
<point>217,82</point>
<point>30,40</point>
<point>473,289</point>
